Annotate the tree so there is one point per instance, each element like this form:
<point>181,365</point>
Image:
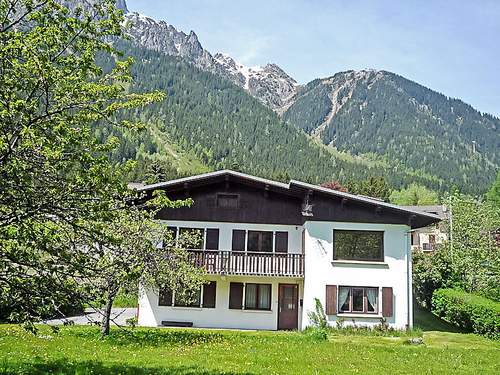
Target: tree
<point>470,260</point>
<point>414,195</point>
<point>474,250</point>
<point>376,187</point>
<point>140,251</point>
<point>493,195</point>
<point>58,190</point>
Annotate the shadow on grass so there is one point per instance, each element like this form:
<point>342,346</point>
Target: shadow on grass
<point>427,321</point>
<point>89,367</point>
<point>152,337</point>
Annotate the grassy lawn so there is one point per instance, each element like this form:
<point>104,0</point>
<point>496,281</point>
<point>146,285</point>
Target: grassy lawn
<point>80,350</point>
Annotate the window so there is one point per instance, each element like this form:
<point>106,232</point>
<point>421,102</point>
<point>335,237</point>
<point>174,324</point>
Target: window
<point>258,296</point>
<point>358,300</point>
<point>238,243</point>
<point>188,299</point>
<point>209,293</point>
<point>170,240</point>
<point>260,241</point>
<point>191,238</point>
<point>165,297</point>
<point>212,240</point>
<point>235,295</point>
<point>358,245</point>
<point>281,242</point>
<point>228,200</point>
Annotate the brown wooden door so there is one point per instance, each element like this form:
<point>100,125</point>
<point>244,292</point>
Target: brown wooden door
<point>288,309</point>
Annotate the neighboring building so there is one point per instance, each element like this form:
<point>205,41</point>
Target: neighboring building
<point>428,237</point>
<point>271,248</point>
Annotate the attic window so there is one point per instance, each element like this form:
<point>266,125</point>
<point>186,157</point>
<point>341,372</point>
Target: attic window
<point>228,200</point>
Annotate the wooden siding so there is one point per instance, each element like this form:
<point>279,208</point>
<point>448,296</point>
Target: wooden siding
<point>263,205</point>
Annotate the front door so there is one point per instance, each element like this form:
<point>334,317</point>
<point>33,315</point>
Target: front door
<point>288,297</point>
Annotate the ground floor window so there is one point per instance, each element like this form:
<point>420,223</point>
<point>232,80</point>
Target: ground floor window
<point>258,296</point>
<point>358,300</point>
<point>191,299</point>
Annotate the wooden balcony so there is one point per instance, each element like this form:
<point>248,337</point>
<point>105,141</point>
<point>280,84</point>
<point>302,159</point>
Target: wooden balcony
<point>224,262</point>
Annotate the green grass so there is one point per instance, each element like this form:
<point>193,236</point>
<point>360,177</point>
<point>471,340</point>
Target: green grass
<point>426,321</point>
<point>125,300</point>
<point>80,350</point>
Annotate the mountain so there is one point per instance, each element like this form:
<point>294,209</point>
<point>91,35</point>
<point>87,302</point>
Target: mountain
<point>347,126</point>
<point>206,122</point>
<point>270,84</point>
<point>378,112</point>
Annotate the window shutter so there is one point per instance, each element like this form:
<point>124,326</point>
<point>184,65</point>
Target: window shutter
<point>281,242</point>
<point>209,293</point>
<point>238,240</point>
<point>165,297</point>
<point>235,295</point>
<point>387,302</point>
<point>331,300</point>
<point>212,242</point>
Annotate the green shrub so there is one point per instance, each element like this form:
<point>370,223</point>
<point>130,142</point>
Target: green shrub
<point>468,311</point>
<point>318,317</point>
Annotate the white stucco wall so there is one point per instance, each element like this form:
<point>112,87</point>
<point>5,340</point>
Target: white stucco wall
<point>393,272</point>
<point>150,314</point>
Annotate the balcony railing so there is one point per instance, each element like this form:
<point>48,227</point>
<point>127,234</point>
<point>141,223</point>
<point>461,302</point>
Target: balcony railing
<point>224,262</point>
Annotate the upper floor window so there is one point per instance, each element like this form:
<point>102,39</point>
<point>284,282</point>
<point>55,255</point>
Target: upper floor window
<point>228,200</point>
<point>358,245</point>
<point>260,241</point>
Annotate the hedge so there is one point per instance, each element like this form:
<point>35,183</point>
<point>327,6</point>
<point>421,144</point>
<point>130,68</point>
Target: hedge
<point>471,312</point>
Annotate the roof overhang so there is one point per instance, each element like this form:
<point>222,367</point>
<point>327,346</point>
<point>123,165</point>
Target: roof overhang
<point>296,188</point>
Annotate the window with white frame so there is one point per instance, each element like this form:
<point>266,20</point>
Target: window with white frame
<point>358,300</point>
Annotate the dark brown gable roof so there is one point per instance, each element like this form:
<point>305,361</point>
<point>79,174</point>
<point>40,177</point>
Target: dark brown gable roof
<point>302,190</point>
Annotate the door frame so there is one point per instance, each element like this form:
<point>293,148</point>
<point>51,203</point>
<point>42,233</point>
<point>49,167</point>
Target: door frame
<point>296,287</point>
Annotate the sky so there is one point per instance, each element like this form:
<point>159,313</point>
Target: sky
<point>450,46</point>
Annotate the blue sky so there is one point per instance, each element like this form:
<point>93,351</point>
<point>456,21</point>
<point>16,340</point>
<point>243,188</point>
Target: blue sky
<point>451,46</point>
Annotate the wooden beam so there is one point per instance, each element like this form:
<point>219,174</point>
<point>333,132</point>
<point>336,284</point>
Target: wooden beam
<point>344,202</point>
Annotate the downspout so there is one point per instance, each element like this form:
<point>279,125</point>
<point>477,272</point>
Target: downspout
<point>409,280</point>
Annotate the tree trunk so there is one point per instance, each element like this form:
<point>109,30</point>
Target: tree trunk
<point>106,318</point>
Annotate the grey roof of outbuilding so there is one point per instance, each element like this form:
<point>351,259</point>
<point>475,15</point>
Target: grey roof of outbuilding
<point>438,210</point>
<point>292,183</point>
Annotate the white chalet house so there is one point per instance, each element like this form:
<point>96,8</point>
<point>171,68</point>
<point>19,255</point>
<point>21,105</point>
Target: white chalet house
<point>271,248</point>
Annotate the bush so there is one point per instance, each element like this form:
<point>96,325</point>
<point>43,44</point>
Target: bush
<point>468,311</point>
<point>318,317</point>
<point>431,272</point>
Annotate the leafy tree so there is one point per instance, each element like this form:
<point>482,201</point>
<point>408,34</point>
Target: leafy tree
<point>138,250</point>
<point>66,217</point>
<point>470,260</point>
<point>475,253</point>
<point>414,195</point>
<point>493,194</point>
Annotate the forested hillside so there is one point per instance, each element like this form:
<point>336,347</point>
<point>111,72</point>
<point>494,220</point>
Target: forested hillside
<point>218,125</point>
<point>385,114</point>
